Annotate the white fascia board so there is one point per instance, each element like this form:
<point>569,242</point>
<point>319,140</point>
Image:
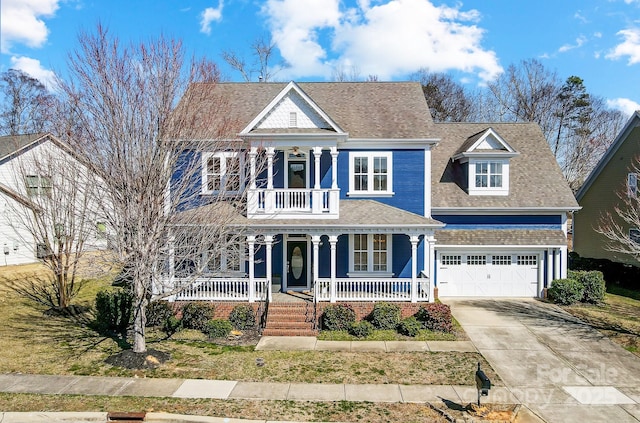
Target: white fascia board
<point>503,210</point>
<point>486,134</point>
<point>389,143</point>
<point>345,229</point>
<point>463,157</point>
<point>293,139</point>
<point>501,247</point>
<point>290,86</point>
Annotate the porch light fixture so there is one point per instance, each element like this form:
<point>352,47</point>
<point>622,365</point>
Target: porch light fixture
<point>296,151</point>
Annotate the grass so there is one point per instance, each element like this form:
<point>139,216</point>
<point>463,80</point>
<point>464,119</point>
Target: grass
<point>618,318</point>
<point>32,341</point>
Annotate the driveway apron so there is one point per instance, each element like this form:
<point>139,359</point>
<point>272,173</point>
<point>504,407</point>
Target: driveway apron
<point>561,368</point>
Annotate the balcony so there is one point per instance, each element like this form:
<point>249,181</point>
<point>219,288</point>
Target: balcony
<point>281,203</point>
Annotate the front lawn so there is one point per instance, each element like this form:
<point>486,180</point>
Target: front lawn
<point>618,318</point>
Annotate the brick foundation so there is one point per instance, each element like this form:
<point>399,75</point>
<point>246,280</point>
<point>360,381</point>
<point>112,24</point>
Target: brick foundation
<point>363,309</point>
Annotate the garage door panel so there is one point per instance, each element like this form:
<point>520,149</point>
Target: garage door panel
<point>501,276</point>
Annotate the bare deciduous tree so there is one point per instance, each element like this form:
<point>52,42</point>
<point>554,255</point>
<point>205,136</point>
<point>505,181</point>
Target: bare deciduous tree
<point>262,50</point>
<point>448,100</point>
<point>615,225</point>
<point>25,104</point>
<point>151,159</point>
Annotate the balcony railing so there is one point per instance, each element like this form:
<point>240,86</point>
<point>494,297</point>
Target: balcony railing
<point>293,203</point>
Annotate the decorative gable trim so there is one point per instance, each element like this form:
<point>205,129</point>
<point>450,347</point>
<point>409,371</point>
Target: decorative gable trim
<point>485,144</point>
<point>291,86</point>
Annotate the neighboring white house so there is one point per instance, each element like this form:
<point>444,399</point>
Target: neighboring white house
<point>39,194</point>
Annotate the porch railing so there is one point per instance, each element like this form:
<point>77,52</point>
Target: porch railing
<point>293,202</point>
<point>366,289</point>
<point>221,289</point>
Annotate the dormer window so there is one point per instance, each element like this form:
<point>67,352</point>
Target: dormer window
<point>486,156</point>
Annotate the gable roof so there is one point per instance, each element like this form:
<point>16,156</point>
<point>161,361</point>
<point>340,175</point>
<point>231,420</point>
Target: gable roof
<point>364,110</point>
<point>11,144</point>
<point>472,146</point>
<point>535,179</point>
<point>632,123</point>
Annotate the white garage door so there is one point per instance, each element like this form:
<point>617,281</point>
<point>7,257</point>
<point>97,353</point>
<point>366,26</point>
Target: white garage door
<point>487,275</point>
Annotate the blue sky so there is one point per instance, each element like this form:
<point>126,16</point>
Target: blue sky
<point>475,40</point>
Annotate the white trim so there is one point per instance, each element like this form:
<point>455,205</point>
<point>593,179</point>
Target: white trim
<point>371,156</point>
<point>427,182</point>
<point>501,211</point>
<point>222,156</point>
<point>371,273</point>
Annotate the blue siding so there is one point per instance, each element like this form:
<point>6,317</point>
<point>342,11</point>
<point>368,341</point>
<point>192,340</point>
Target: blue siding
<point>408,179</point>
<point>501,221</point>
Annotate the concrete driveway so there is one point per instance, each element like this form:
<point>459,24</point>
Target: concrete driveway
<point>561,368</point>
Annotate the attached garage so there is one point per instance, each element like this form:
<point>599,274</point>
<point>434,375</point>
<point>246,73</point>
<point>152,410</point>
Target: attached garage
<point>484,274</point>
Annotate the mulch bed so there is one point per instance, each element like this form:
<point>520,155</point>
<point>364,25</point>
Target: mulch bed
<point>134,361</point>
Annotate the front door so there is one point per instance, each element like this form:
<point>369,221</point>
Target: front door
<point>297,174</point>
<point>297,269</point>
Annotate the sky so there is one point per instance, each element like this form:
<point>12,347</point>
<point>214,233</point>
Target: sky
<point>473,40</point>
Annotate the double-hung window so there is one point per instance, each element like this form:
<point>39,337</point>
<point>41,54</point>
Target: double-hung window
<point>488,175</point>
<point>224,258</point>
<point>370,173</point>
<point>38,185</point>
<point>370,253</point>
<point>221,172</point>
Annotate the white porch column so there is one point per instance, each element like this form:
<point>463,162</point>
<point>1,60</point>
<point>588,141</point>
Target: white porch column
<point>549,263</point>
<point>333,240</point>
<point>564,262</point>
<point>334,167</point>
<point>253,152</point>
<point>251,240</point>
<point>172,267</point>
<point>432,268</point>
<point>268,240</point>
<point>315,239</point>
<point>316,195</point>
<point>556,263</point>
<point>414,267</point>
<point>540,275</point>
<point>269,195</point>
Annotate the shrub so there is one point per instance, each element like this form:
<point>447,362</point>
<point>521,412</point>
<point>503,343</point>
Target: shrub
<point>361,329</point>
<point>338,317</point>
<point>435,317</point>
<point>171,325</point>
<point>385,316</point>
<point>565,291</point>
<point>218,328</point>
<point>593,284</point>
<point>242,317</point>
<point>409,326</point>
<point>113,310</point>
<point>196,315</point>
<point>158,312</point>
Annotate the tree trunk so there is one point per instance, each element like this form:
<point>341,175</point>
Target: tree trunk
<point>139,322</point>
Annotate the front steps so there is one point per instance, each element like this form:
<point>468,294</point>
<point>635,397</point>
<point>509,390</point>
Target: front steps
<point>290,319</point>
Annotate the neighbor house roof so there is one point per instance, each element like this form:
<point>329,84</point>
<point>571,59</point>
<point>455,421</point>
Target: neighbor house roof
<point>535,179</point>
<point>631,124</point>
<point>365,110</point>
<point>10,144</point>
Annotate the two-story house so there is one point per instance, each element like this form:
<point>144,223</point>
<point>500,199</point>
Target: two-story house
<point>365,198</point>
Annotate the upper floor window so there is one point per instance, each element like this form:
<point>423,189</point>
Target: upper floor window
<point>488,177</point>
<point>370,253</point>
<point>632,185</point>
<point>221,172</point>
<point>38,185</point>
<point>370,173</point>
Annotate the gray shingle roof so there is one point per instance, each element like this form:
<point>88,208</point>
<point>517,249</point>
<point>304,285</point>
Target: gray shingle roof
<point>382,110</point>
<point>536,180</point>
<point>9,144</point>
<point>500,237</point>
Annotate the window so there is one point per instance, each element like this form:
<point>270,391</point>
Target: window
<point>488,175</point>
<point>501,260</point>
<point>451,260</point>
<point>632,185</point>
<point>38,185</point>
<point>370,253</point>
<point>293,120</point>
<point>634,235</point>
<point>476,260</point>
<point>527,260</point>
<point>221,172</point>
<point>370,173</point>
<point>224,257</point>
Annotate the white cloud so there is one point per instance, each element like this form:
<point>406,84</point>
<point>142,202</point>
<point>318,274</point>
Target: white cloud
<point>22,22</point>
<point>34,68</point>
<point>209,15</point>
<point>385,38</point>
<point>625,105</point>
<point>629,47</point>
<point>579,42</point>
